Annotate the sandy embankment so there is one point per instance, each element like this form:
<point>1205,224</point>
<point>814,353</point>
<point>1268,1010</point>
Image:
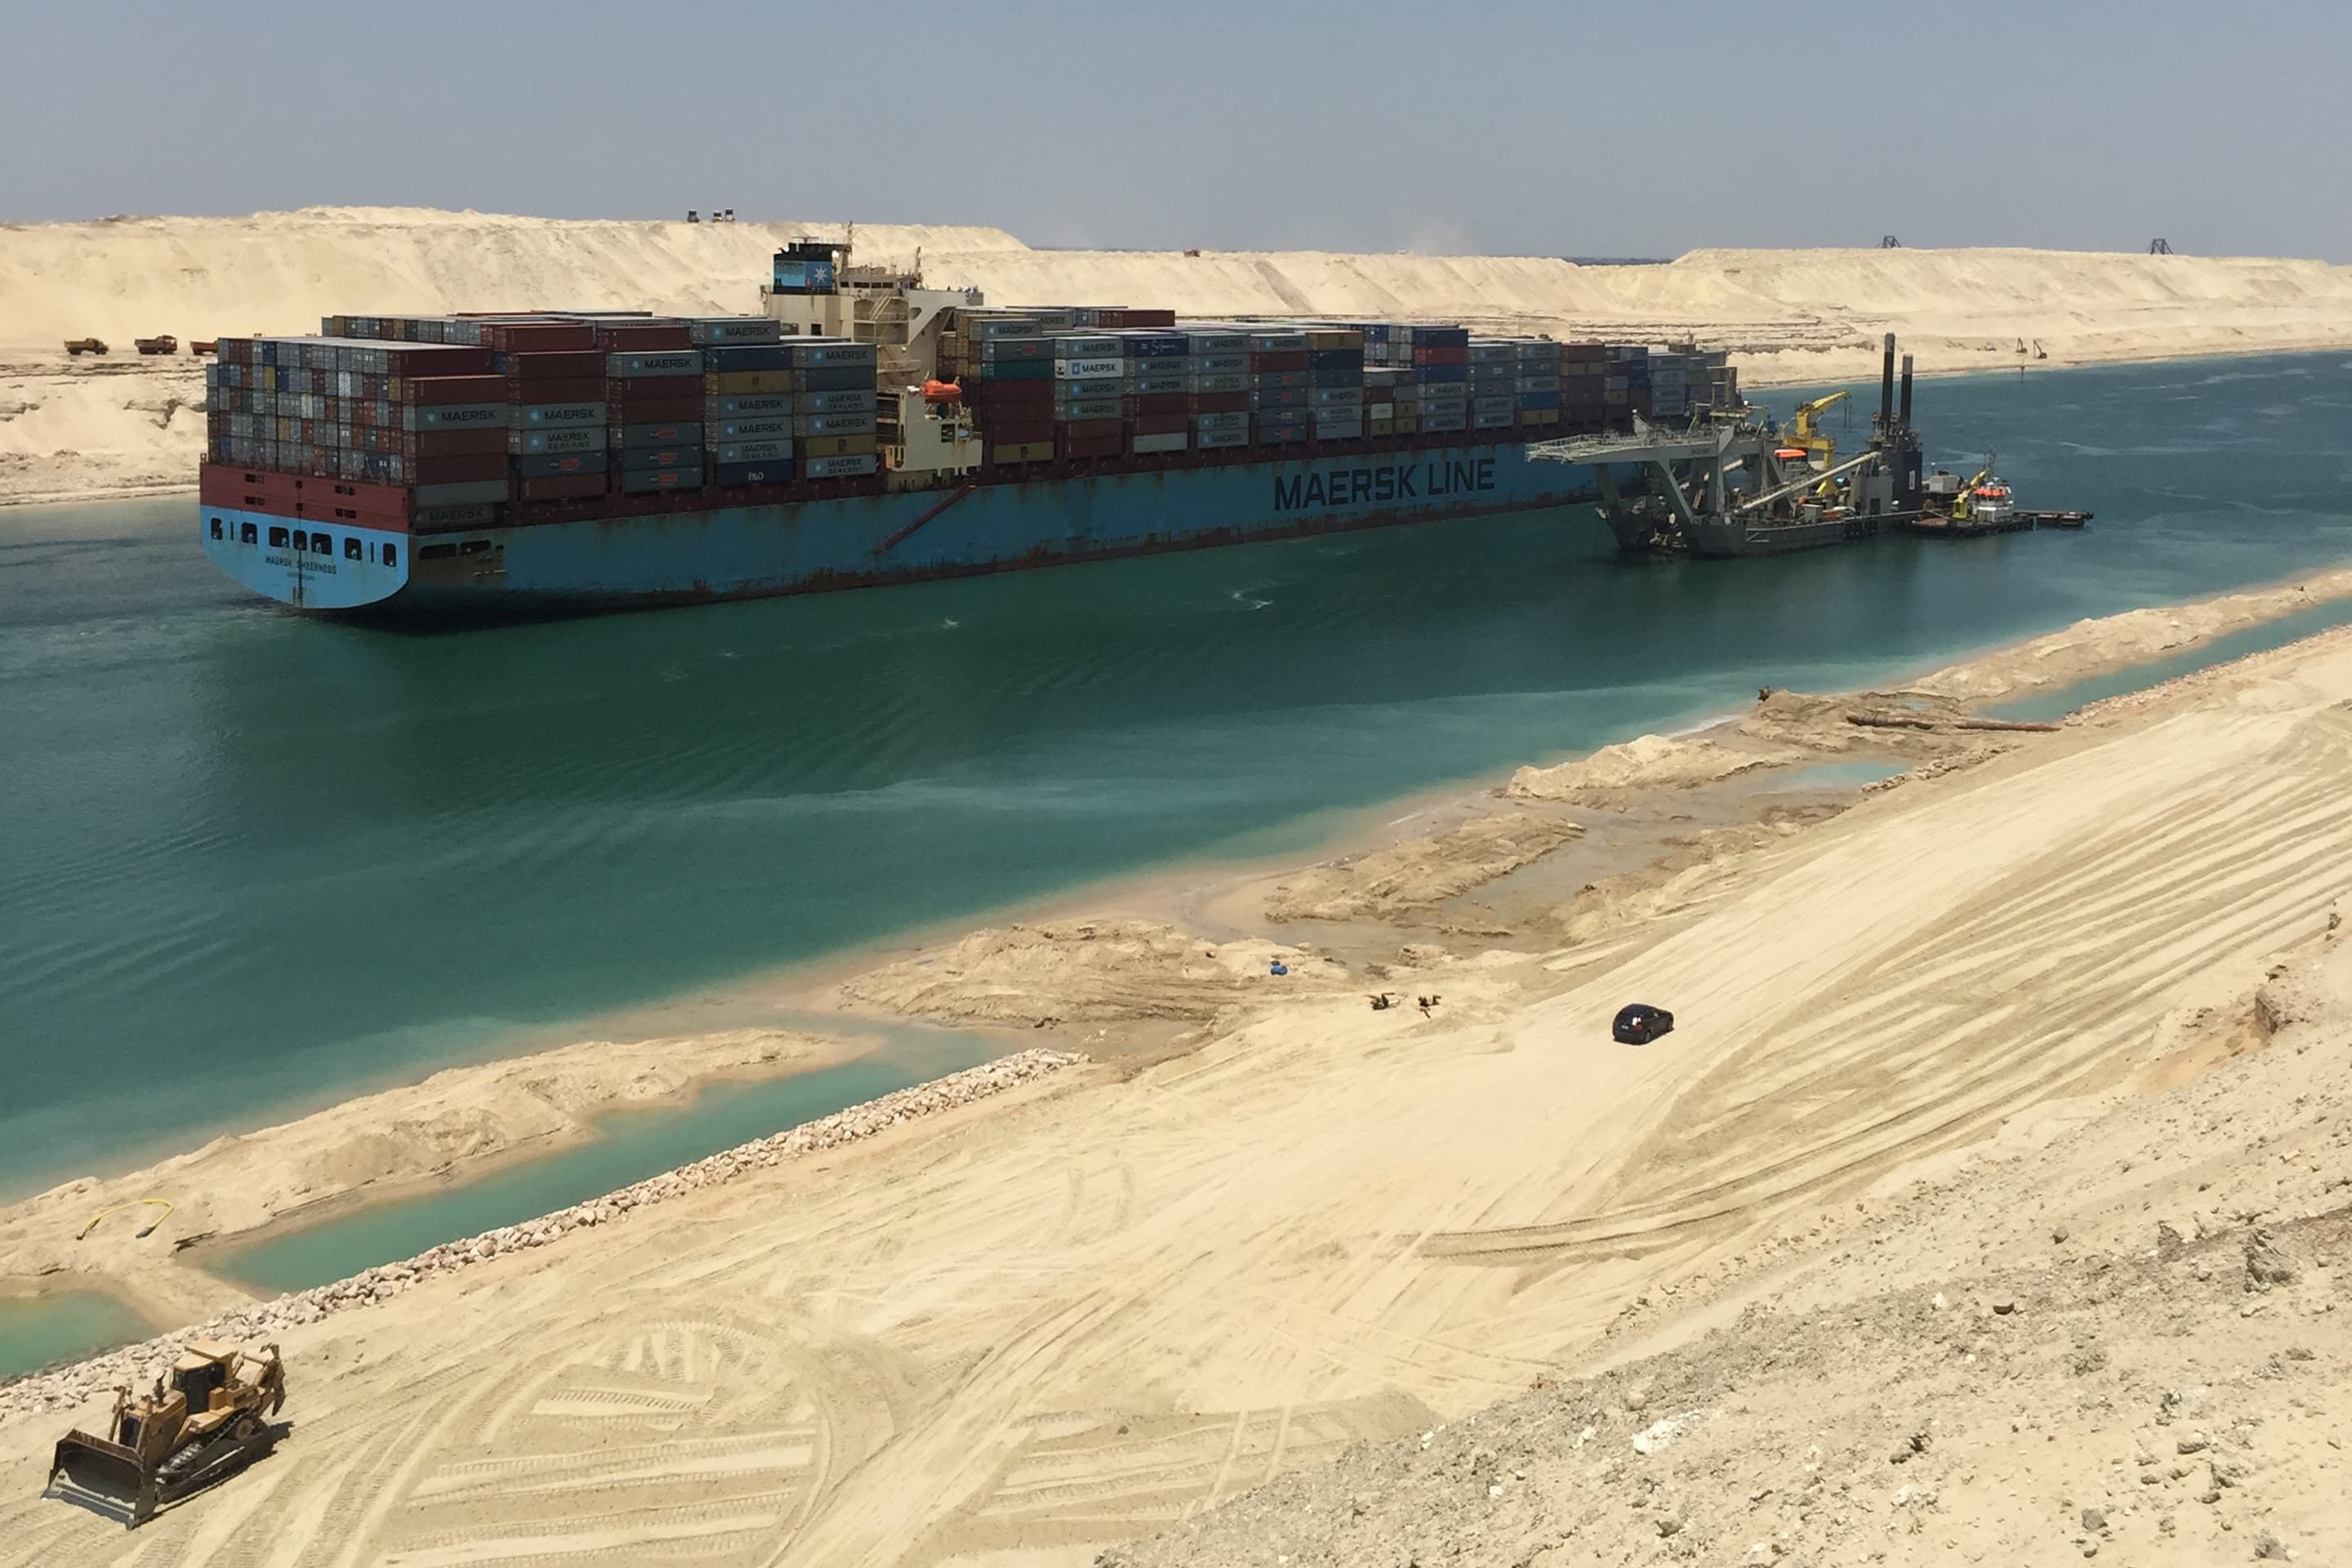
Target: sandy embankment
<point>2032,992</point>
<point>466,1118</point>
<point>84,428</point>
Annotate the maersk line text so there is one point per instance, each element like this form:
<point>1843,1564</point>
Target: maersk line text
<point>1391,482</point>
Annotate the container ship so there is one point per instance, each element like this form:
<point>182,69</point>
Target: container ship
<point>863,429</point>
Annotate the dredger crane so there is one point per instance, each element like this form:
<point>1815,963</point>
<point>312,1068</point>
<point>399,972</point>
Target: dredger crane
<point>1805,429</point>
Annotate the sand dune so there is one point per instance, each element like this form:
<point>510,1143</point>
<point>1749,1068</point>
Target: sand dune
<point>1009,1338</point>
<point>277,272</point>
<point>1788,316</point>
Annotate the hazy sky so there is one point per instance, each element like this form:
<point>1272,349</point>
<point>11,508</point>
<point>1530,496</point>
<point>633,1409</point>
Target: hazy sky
<point>1564,129</point>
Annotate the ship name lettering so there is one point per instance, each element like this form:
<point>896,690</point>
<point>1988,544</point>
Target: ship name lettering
<point>1460,475</point>
<point>1347,486</point>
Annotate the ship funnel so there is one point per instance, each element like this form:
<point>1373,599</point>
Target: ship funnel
<point>1886,387</point>
<point>1905,407</point>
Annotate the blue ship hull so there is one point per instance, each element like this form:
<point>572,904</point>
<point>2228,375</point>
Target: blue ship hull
<point>682,554</point>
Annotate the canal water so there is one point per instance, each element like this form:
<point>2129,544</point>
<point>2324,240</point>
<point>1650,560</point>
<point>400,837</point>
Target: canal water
<point>256,861</point>
<point>629,1147</point>
<point>37,1331</point>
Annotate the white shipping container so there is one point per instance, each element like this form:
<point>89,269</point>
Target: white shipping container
<point>1174,441</point>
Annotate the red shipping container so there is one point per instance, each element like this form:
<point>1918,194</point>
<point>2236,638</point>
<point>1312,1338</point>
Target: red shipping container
<point>436,358</point>
<point>1134,316</point>
<point>1158,424</point>
<point>655,411</point>
<point>562,487</point>
<point>1284,359</point>
<point>1114,428</point>
<point>616,337</point>
<point>1090,445</point>
<point>455,443</point>
<point>1155,403</point>
<point>430,391</point>
<point>352,492</point>
<point>537,337</point>
<point>461,469</point>
<point>324,508</point>
<point>558,389</point>
<point>636,388</point>
<point>1459,356</point>
<point>672,429</point>
<point>562,464</point>
<point>1220,402</point>
<point>587,363</point>
<point>1012,395</point>
<point>1020,433</point>
<point>250,489</point>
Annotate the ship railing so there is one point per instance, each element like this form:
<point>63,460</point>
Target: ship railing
<point>1643,446</point>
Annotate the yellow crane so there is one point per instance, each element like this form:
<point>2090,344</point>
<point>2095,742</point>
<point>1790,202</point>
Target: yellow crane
<point>1805,429</point>
<point>1965,503</point>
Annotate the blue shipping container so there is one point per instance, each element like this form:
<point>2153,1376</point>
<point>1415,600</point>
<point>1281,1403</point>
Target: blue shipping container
<point>765,404</point>
<point>726,358</point>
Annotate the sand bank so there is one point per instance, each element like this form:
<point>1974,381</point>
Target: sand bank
<point>465,1118</point>
<point>86,428</point>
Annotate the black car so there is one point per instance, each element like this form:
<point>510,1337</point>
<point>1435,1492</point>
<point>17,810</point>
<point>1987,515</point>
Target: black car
<point>1640,1023</point>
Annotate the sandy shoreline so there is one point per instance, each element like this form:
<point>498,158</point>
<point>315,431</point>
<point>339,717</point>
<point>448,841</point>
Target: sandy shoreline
<point>1410,867</point>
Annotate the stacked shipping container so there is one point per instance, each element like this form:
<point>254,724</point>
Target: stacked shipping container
<point>1287,384</point>
<point>1281,388</point>
<point>1583,380</point>
<point>747,400</point>
<point>1219,382</point>
<point>833,425</point>
<point>1335,362</point>
<point>1011,390</point>
<point>1536,394</point>
<point>425,417</point>
<point>1156,411</point>
<point>458,414</point>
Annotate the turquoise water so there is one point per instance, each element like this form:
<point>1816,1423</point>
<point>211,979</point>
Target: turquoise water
<point>40,1330</point>
<point>1832,775</point>
<point>631,1146</point>
<point>2044,707</point>
<point>255,861</point>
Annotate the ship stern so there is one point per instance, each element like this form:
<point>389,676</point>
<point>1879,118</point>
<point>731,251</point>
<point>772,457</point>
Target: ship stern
<point>309,563</point>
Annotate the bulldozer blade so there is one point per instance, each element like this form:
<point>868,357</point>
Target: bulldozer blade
<point>110,1484</point>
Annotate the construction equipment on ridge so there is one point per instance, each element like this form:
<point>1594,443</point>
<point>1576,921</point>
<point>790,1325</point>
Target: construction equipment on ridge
<point>211,1421</point>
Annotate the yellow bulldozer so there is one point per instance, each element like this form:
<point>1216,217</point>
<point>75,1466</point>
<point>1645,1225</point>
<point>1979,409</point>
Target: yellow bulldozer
<point>212,1419</point>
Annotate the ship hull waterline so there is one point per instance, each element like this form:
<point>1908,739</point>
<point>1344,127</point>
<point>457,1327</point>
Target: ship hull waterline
<point>650,560</point>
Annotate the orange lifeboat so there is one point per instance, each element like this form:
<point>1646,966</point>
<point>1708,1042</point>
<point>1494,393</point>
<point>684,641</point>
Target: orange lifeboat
<point>1790,454</point>
<point>942,392</point>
